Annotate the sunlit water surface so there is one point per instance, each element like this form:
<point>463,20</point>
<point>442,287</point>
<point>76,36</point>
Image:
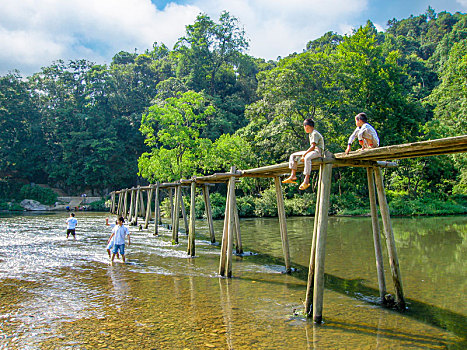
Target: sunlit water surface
<point>63,294</point>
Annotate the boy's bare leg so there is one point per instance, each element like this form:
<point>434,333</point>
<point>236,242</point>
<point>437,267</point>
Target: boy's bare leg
<point>293,175</point>
<point>123,257</point>
<point>108,252</point>
<point>306,180</point>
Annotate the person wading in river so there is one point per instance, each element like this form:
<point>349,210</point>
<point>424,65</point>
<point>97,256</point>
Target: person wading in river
<point>119,232</point>
<point>110,241</point>
<point>71,222</point>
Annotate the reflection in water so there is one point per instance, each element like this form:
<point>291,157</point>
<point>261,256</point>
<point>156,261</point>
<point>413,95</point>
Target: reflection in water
<point>56,293</point>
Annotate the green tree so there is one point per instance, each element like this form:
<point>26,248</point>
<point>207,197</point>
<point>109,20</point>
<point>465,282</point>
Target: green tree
<point>21,138</point>
<point>172,128</point>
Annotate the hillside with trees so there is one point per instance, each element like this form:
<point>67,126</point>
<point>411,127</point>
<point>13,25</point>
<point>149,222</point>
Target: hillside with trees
<point>205,104</point>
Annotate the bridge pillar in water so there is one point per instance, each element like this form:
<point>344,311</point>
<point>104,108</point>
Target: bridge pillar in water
<point>390,241</point>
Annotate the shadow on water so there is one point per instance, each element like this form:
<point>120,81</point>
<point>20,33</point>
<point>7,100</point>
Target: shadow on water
<point>428,314</point>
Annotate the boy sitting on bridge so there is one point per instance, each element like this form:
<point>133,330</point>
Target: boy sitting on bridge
<point>316,150</point>
<point>367,136</point>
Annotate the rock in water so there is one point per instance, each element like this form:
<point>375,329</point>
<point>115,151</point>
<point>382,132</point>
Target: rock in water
<point>30,204</point>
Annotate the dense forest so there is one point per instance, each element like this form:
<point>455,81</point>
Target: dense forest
<point>206,104</point>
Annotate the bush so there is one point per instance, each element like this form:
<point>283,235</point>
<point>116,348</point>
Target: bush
<point>99,205</point>
<point>9,189</point>
<point>37,193</point>
<point>12,206</point>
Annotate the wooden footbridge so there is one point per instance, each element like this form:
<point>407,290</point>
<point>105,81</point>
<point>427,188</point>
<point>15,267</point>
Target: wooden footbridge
<point>372,159</point>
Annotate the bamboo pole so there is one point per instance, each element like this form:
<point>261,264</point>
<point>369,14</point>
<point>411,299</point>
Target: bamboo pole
<point>148,210</point>
<point>318,292</point>
<point>112,204</point>
<point>238,235</point>
<point>225,233</point>
<point>135,216</point>
<point>185,220</point>
<point>311,269</point>
<point>390,241</point>
<point>176,214</point>
<point>125,204</point>
<point>376,234</point>
<point>142,211</point>
<point>120,204</point>
<point>171,204</point>
<point>191,238</point>
<point>207,206</point>
<point>132,199</point>
<point>231,228</point>
<point>282,223</point>
<point>224,236</point>
<point>157,211</point>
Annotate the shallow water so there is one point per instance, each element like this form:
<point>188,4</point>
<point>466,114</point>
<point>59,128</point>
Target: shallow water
<point>63,294</point>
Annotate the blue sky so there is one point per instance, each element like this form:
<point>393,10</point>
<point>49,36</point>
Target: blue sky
<point>34,33</point>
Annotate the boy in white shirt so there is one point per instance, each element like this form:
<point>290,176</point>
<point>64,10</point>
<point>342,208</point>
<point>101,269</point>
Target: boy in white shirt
<point>71,222</point>
<point>367,136</point>
<point>119,232</point>
<point>315,150</point>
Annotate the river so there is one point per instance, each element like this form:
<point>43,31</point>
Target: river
<point>63,294</point>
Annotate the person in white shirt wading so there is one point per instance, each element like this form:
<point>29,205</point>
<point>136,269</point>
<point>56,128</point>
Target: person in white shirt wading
<point>119,232</point>
<point>71,222</point>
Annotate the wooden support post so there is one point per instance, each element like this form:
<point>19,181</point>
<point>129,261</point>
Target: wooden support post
<point>191,238</point>
<point>132,200</point>
<point>142,210</point>
<point>176,214</point>
<point>390,241</point>
<point>230,228</point>
<point>125,205</point>
<point>207,205</point>
<point>157,211</point>
<point>224,235</point>
<point>148,209</point>
<point>318,292</point>
<point>282,223</point>
<point>185,219</point>
<point>376,234</point>
<point>112,203</point>
<point>171,202</point>
<point>135,216</point>
<point>119,203</point>
<point>311,269</point>
<point>238,234</point>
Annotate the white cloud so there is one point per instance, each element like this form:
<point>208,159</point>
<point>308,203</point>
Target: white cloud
<point>462,2</point>
<point>33,33</point>
<point>280,27</point>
